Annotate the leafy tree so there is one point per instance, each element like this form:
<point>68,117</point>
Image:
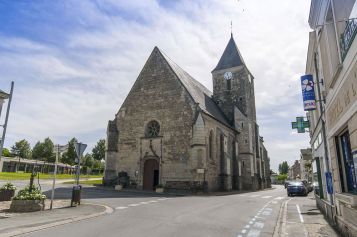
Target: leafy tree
<point>22,149</point>
<point>283,167</point>
<point>87,160</point>
<point>44,151</point>
<point>98,152</point>
<point>98,165</point>
<point>6,152</point>
<point>282,177</point>
<point>69,156</point>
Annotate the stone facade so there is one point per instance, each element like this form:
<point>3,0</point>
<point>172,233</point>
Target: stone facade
<point>171,130</point>
<point>333,52</point>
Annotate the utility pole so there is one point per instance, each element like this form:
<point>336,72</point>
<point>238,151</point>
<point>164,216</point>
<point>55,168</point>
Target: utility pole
<point>6,119</point>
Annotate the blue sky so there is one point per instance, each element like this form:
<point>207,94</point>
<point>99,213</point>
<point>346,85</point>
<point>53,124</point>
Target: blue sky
<point>74,61</point>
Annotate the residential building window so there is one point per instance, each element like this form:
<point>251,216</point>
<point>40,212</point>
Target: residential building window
<point>346,164</point>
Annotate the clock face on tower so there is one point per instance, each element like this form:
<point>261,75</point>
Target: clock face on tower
<point>228,75</point>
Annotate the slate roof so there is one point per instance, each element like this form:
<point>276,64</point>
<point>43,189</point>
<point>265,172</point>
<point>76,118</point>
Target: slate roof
<point>3,94</point>
<point>198,92</point>
<point>231,56</point>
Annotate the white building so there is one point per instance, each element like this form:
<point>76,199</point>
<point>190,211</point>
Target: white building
<point>332,60</point>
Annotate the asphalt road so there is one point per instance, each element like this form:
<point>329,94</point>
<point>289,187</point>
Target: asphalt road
<point>144,214</point>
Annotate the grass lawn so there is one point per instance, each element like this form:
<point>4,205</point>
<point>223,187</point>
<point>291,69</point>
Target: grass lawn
<point>91,182</point>
<point>25,176</point>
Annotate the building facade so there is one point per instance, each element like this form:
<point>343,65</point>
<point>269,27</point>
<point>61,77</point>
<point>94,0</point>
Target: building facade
<point>306,164</point>
<point>172,131</point>
<point>332,60</point>
<point>295,171</point>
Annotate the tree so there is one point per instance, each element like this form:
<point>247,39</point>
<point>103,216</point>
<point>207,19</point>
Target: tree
<point>69,156</point>
<point>44,151</point>
<point>282,177</point>
<point>87,160</point>
<point>6,152</point>
<point>22,149</point>
<point>98,152</point>
<point>283,167</point>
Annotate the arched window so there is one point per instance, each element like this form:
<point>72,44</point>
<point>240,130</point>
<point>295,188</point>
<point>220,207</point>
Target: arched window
<point>210,145</point>
<point>152,129</point>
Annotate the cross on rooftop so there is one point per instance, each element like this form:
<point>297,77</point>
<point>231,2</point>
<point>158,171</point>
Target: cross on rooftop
<point>300,124</point>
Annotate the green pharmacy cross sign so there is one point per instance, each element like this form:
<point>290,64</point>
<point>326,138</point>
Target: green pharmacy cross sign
<point>300,124</point>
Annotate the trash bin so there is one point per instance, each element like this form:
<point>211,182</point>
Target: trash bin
<point>76,195</point>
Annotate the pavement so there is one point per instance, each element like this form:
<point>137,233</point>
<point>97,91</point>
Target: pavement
<point>301,217</point>
<point>29,222</point>
<point>134,213</point>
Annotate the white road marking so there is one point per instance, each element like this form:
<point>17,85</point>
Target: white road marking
<point>274,202</point>
<point>152,201</point>
<point>251,222</point>
<point>298,209</point>
<point>120,208</point>
<point>253,196</point>
<point>144,202</point>
<point>253,233</point>
<point>259,225</point>
<point>134,205</point>
<point>239,235</point>
<point>243,231</point>
<point>162,199</point>
<point>267,196</point>
<point>247,226</point>
<point>279,198</point>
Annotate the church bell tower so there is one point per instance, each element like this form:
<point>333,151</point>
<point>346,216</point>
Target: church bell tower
<point>233,84</point>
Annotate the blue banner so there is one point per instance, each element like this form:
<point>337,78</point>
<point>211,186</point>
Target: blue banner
<point>329,182</point>
<point>308,92</point>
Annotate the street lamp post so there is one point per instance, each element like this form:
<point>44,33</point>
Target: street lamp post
<point>4,96</point>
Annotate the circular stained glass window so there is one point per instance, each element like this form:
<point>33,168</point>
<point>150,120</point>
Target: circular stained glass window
<point>153,129</point>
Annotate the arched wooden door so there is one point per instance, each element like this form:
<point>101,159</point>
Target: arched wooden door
<point>151,174</point>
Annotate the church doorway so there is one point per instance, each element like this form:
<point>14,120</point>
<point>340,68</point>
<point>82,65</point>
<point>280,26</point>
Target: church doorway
<point>151,174</point>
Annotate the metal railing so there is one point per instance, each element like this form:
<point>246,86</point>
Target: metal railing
<point>348,36</point>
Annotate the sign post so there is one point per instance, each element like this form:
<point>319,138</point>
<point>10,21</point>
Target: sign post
<point>58,149</point>
<point>80,148</point>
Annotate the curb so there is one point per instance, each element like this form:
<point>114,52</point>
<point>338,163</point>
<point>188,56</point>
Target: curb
<point>25,230</point>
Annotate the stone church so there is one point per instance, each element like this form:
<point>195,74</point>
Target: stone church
<point>173,131</point>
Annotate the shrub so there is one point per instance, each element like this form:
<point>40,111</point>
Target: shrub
<point>25,194</point>
<point>8,186</point>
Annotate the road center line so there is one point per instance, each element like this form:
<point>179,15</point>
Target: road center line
<point>298,209</point>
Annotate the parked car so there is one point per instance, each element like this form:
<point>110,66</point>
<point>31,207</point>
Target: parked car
<point>286,183</point>
<point>308,185</point>
<point>297,188</point>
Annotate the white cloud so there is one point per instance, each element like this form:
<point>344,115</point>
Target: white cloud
<point>73,87</point>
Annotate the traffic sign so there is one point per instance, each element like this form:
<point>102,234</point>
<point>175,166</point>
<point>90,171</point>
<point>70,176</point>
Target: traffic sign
<point>80,148</point>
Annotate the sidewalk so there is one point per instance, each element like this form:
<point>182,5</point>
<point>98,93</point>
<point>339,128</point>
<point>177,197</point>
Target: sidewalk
<point>299,216</point>
<point>12,225</point>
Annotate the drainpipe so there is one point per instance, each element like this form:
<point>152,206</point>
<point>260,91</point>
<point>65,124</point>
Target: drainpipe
<point>323,125</point>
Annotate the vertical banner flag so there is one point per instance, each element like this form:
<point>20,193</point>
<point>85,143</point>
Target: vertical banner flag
<point>308,92</point>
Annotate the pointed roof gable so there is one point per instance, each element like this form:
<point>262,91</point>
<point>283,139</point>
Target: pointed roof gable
<point>199,93</point>
<point>231,56</point>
